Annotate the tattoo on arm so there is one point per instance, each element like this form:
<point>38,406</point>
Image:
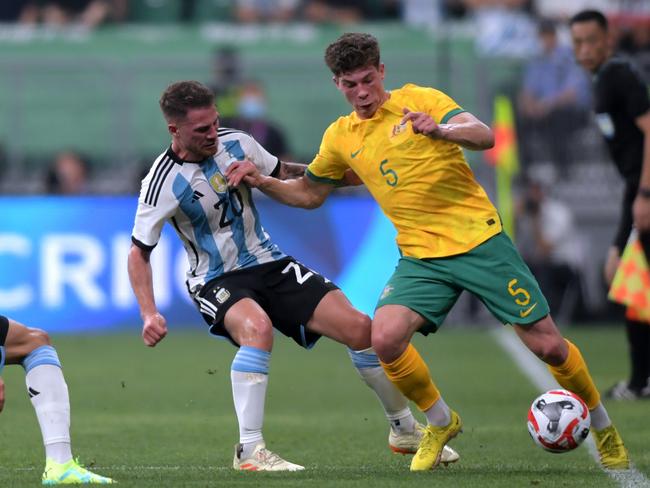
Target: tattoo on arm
<point>290,171</point>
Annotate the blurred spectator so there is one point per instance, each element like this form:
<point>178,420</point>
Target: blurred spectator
<point>635,41</point>
<point>252,118</point>
<point>553,103</point>
<point>249,11</point>
<point>226,78</point>
<point>10,10</point>
<point>503,27</point>
<point>561,10</point>
<point>454,9</point>
<point>551,246</point>
<point>422,12</point>
<point>187,10</point>
<point>334,11</point>
<point>68,174</point>
<point>88,13</point>
<point>377,10</point>
<point>505,4</point>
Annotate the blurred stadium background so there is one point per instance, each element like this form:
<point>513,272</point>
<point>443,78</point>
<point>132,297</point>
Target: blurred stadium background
<point>89,89</point>
<point>89,86</point>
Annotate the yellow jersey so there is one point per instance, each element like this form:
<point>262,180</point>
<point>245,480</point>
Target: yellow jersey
<point>424,186</point>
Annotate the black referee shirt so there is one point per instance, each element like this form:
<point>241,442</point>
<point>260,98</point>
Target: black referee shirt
<point>621,96</point>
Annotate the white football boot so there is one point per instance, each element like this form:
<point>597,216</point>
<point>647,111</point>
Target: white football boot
<point>262,460</point>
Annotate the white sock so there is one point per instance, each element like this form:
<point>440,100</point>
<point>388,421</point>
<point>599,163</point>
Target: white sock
<point>249,395</point>
<point>394,403</point>
<point>49,395</point>
<point>439,414</point>
<point>599,417</point>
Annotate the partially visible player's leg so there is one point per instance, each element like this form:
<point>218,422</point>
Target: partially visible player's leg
<point>563,359</point>
<point>49,396</point>
<point>416,298</point>
<point>395,404</point>
<point>392,329</point>
<point>405,432</point>
<point>335,317</point>
<point>46,386</point>
<point>517,299</point>
<point>638,339</point>
<point>568,367</point>
<point>250,327</point>
<point>496,273</point>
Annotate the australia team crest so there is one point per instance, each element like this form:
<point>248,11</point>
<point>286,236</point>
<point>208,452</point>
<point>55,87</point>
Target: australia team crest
<point>398,129</point>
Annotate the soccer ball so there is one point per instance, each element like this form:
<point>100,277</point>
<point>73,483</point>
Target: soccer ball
<point>558,421</point>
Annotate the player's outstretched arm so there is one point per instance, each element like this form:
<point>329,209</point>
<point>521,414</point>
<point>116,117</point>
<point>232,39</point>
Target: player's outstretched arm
<point>289,171</point>
<point>463,129</point>
<point>298,192</point>
<point>296,170</point>
<point>154,328</point>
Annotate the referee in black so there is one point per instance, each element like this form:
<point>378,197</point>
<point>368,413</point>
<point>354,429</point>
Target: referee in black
<point>622,112</point>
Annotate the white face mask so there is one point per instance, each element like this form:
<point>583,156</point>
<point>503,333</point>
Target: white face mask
<point>251,107</point>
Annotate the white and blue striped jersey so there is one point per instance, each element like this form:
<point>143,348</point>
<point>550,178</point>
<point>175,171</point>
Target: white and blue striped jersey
<point>219,226</point>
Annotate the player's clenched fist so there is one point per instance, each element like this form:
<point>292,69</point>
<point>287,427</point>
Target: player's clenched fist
<point>154,329</point>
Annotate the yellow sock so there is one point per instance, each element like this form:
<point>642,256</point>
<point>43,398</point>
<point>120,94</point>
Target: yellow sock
<point>410,375</point>
<point>574,376</point>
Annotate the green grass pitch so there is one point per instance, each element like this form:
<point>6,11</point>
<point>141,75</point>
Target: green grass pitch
<point>164,416</point>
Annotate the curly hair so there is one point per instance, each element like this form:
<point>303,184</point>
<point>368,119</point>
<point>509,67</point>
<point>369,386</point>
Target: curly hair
<point>352,51</point>
<point>182,96</point>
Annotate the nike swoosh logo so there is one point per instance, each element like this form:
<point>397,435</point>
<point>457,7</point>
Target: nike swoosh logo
<point>526,313</point>
<point>355,153</point>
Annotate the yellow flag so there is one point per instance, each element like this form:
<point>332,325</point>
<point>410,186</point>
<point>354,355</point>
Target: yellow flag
<point>631,284</point>
<point>503,156</point>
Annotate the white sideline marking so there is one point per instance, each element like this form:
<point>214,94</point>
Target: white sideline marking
<point>539,376</point>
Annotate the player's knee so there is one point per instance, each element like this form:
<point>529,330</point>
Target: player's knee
<point>552,350</point>
<point>37,338</point>
<point>259,329</point>
<point>385,342</point>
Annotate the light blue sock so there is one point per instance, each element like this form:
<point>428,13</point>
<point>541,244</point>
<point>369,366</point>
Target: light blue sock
<point>48,393</point>
<point>39,356</point>
<point>249,376</point>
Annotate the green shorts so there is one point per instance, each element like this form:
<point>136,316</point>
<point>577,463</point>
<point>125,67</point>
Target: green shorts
<point>493,271</point>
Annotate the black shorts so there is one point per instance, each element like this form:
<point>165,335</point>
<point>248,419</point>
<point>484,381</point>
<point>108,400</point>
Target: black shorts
<point>4,329</point>
<point>287,291</point>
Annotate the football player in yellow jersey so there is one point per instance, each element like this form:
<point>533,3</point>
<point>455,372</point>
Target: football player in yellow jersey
<point>405,146</point>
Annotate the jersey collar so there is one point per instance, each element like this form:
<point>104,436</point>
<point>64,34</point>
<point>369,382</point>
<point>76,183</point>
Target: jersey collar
<point>177,159</point>
<point>392,105</point>
<point>173,156</point>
